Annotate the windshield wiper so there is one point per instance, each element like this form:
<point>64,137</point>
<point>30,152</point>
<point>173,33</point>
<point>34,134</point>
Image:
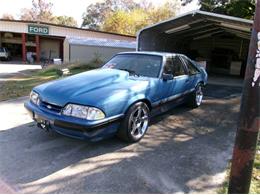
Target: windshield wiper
<point>130,71</point>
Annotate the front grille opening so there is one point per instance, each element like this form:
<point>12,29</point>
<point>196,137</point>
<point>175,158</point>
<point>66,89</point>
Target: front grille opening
<point>50,107</point>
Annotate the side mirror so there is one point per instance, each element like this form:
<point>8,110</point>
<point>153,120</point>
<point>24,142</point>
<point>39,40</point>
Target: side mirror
<point>167,77</point>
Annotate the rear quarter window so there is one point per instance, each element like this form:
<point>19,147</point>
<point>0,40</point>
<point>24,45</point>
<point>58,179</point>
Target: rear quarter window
<point>192,69</point>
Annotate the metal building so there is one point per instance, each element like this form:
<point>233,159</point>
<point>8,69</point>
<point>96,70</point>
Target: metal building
<point>86,49</point>
<point>45,40</point>
<point>220,42</point>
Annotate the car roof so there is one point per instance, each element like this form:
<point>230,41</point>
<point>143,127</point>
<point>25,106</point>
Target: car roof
<point>151,53</point>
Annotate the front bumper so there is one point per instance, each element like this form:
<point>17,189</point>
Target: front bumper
<point>74,127</point>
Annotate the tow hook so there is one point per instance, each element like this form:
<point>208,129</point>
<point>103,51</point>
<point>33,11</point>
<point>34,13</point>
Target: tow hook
<point>45,125</point>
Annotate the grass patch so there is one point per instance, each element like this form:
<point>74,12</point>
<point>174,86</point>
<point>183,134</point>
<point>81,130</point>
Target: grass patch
<point>19,87</point>
<point>22,85</point>
<point>224,188</point>
<point>255,182</point>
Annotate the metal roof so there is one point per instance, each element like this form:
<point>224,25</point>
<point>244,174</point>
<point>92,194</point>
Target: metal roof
<point>63,26</point>
<point>198,12</point>
<point>196,25</point>
<point>101,42</point>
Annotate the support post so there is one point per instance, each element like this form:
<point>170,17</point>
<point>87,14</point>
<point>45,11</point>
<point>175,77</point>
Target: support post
<point>61,49</point>
<point>37,40</point>
<point>0,39</point>
<point>24,47</point>
<point>249,119</point>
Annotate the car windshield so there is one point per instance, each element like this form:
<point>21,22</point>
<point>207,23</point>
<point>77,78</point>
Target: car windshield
<point>136,64</point>
<point>2,49</point>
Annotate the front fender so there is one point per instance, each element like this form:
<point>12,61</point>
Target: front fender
<point>132,100</point>
<point>121,105</point>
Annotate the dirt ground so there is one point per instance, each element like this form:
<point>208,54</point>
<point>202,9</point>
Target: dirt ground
<point>184,151</point>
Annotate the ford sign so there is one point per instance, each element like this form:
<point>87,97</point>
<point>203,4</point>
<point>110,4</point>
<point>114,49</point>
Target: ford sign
<point>34,29</point>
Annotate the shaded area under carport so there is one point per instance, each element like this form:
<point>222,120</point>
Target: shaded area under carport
<point>222,41</point>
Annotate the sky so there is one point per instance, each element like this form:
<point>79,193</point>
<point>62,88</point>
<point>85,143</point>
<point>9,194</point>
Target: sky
<point>74,8</point>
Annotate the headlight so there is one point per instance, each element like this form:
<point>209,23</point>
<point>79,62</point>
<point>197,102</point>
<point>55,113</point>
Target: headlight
<point>85,112</point>
<point>34,97</point>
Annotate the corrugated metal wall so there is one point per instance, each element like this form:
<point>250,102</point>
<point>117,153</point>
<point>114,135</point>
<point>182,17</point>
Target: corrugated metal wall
<point>85,53</point>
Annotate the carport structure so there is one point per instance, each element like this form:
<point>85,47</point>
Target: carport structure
<point>219,40</point>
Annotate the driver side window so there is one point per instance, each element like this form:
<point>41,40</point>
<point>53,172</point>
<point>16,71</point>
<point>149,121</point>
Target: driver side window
<point>174,66</point>
<point>168,68</point>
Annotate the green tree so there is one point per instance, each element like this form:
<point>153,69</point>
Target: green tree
<point>40,11</point>
<point>95,14</point>
<point>163,12</point>
<point>242,9</point>
<point>129,22</point>
<point>238,8</point>
<point>117,22</point>
<point>65,20</point>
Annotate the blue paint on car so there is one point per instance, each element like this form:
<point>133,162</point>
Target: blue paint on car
<point>127,78</point>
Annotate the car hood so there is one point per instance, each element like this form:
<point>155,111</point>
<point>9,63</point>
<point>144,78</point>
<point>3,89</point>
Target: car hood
<point>90,87</point>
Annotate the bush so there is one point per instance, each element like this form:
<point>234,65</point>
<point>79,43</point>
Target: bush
<point>51,70</point>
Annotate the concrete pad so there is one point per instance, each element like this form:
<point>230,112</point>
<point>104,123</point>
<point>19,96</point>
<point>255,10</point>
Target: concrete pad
<point>9,70</point>
<point>225,80</point>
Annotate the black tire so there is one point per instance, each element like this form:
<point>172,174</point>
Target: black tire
<point>193,102</point>
<point>126,126</point>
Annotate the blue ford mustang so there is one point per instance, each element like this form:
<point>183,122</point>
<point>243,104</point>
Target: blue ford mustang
<point>119,98</point>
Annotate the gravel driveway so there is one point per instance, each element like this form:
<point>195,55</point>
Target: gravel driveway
<point>185,151</point>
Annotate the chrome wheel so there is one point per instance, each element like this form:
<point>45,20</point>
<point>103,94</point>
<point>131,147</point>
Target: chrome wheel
<point>199,95</point>
<point>138,122</point>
